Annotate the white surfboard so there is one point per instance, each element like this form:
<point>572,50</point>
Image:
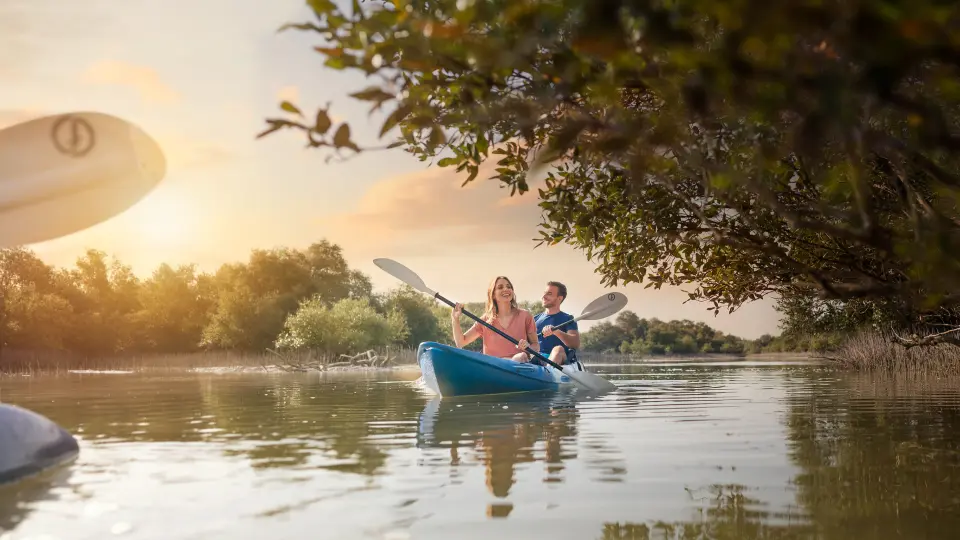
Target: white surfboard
<point>64,173</point>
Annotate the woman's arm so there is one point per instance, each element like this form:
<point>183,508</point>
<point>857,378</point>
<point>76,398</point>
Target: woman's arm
<point>532,333</point>
<point>459,338</point>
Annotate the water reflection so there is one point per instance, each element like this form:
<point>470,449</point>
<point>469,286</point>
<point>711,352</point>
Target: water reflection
<point>504,432</point>
<point>680,452</point>
<point>880,455</point>
<point>731,515</point>
<point>285,422</point>
<point>17,500</point>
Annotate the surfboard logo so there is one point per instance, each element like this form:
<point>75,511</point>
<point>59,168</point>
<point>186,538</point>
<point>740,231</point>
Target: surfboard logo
<point>73,136</point>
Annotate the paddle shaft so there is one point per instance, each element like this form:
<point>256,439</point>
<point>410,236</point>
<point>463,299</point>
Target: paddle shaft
<point>570,321</point>
<point>440,297</point>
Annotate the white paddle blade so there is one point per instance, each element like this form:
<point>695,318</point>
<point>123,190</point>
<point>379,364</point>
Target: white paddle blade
<point>605,306</point>
<point>404,274</point>
<point>590,381</point>
<point>64,173</point>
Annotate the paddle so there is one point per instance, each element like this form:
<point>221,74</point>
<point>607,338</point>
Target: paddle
<point>583,378</point>
<point>601,308</point>
<point>64,173</point>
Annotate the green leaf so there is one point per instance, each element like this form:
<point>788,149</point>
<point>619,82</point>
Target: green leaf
<point>372,93</point>
<point>447,161</point>
<point>474,171</point>
<point>299,26</point>
<point>321,7</point>
<point>437,137</point>
<point>290,108</point>
<point>395,118</point>
<point>337,63</point>
<point>332,52</point>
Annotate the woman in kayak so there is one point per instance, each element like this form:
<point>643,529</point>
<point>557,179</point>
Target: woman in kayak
<point>502,313</point>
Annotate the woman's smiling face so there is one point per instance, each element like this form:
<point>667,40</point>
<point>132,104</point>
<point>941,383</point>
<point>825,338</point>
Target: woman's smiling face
<point>503,290</point>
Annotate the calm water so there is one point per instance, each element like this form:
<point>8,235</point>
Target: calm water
<point>680,451</point>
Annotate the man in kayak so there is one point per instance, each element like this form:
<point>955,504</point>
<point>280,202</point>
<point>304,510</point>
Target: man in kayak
<point>559,345</point>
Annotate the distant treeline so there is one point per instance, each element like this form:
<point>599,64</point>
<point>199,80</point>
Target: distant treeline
<point>280,298</point>
<point>629,334</point>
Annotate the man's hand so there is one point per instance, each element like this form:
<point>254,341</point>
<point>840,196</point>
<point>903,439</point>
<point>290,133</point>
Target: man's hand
<point>548,330</point>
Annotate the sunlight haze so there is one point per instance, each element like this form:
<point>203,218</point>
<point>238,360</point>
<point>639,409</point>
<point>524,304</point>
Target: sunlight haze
<point>200,77</point>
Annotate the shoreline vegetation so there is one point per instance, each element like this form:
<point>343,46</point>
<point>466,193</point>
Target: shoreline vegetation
<point>306,310</point>
<point>719,152</point>
<point>24,363</point>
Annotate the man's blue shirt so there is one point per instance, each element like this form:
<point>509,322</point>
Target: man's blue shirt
<point>548,343</point>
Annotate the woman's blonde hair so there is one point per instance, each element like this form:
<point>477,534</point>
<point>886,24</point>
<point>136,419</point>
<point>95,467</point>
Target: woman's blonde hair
<point>492,310</point>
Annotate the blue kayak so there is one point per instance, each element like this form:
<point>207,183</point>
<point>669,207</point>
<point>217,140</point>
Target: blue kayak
<point>451,371</point>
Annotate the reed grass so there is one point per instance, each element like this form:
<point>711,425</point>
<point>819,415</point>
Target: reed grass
<point>875,351</point>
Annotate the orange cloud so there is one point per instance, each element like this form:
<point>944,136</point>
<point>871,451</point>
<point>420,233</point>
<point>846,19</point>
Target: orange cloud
<point>427,212</point>
<point>146,81</point>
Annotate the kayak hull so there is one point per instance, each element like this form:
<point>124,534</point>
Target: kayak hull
<point>31,443</point>
<point>451,371</point>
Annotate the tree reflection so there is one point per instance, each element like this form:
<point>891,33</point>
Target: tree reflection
<point>731,515</point>
<point>879,454</point>
<point>289,421</point>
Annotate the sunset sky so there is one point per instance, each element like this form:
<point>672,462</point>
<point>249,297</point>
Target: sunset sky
<point>201,77</point>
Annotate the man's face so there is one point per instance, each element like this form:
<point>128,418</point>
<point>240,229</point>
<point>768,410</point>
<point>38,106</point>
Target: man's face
<point>550,298</point>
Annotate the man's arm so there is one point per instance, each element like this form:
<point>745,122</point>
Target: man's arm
<point>570,338</point>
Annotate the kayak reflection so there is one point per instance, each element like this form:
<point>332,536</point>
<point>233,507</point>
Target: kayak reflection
<point>503,431</point>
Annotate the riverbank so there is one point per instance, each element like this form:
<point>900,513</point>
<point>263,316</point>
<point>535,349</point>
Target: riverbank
<point>867,351</point>
<point>878,352</point>
<point>24,363</point>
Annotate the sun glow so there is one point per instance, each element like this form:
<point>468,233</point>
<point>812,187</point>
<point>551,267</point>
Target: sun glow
<point>164,217</point>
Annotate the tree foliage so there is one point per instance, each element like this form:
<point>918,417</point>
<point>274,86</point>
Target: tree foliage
<point>797,148</point>
<point>100,307</point>
<point>282,298</point>
<point>630,334</point>
<point>349,325</point>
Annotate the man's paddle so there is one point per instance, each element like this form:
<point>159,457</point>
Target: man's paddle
<point>583,378</point>
<point>601,308</point>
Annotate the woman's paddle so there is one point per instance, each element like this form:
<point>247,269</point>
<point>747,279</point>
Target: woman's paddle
<point>583,378</point>
<point>601,308</point>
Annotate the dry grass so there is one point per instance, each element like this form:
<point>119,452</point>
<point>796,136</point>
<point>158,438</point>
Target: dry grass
<point>874,351</point>
<point>17,362</point>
